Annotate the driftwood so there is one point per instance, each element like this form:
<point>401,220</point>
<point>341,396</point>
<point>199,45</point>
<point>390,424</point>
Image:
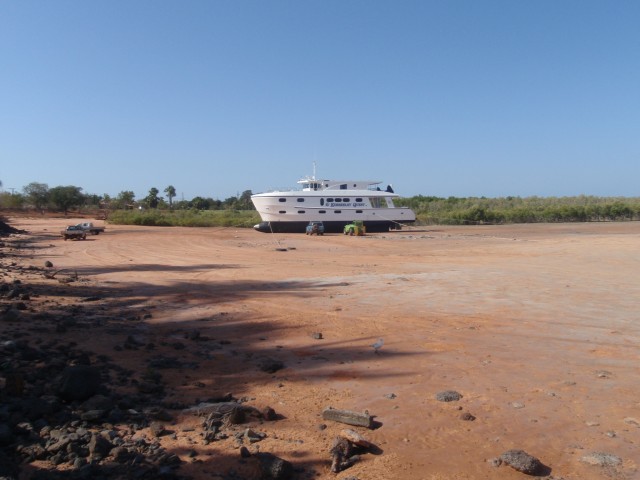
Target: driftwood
<point>50,275</point>
<point>341,453</point>
<point>349,417</point>
<point>347,448</point>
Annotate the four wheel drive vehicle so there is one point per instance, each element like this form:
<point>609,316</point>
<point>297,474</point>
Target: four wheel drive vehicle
<point>315,227</point>
<point>355,228</point>
<point>91,228</point>
<point>73,232</point>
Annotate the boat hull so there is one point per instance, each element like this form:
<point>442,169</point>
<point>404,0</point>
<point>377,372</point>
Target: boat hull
<point>329,226</point>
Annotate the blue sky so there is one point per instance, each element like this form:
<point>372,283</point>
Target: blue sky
<point>448,98</point>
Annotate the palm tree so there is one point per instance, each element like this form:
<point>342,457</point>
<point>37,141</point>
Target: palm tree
<point>152,198</point>
<point>171,192</point>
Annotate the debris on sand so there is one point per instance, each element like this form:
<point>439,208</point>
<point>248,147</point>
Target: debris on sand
<point>349,417</point>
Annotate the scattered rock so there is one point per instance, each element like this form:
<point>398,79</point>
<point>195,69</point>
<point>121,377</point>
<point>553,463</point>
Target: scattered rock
<point>602,459</point>
<point>521,461</point>
<point>466,416</point>
<point>79,383</point>
<point>274,468</point>
<point>448,396</point>
<point>316,335</point>
<point>269,414</point>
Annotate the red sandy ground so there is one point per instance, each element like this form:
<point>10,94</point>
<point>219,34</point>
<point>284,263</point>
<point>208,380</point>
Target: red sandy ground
<point>522,320</point>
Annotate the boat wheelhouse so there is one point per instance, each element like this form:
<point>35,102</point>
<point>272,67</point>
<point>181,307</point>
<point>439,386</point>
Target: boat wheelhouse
<point>336,203</point>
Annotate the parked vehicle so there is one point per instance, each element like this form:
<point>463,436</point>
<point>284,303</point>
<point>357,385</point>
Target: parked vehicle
<point>355,228</point>
<point>73,232</point>
<point>91,228</point>
<point>315,227</point>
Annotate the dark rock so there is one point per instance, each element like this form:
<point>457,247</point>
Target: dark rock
<point>448,396</point>
<point>120,454</point>
<point>274,468</point>
<point>79,382</point>
<point>99,447</point>
<point>48,264</point>
<point>93,415</point>
<point>316,336</point>
<point>98,402</point>
<point>521,461</point>
<point>466,416</point>
<point>269,414</point>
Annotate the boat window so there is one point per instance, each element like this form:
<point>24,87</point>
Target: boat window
<point>338,200</point>
<point>358,211</point>
<point>377,202</point>
<point>301,199</point>
<point>282,200</point>
<point>337,211</point>
<point>301,211</point>
<point>282,211</point>
<point>322,201</point>
<point>359,200</point>
<point>346,200</point>
<point>322,211</point>
<point>343,186</point>
<point>330,200</point>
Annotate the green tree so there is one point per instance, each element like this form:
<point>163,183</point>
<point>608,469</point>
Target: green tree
<point>245,202</point>
<point>152,198</point>
<point>11,200</point>
<point>125,199</point>
<point>67,197</point>
<point>200,203</point>
<point>37,194</point>
<point>171,192</point>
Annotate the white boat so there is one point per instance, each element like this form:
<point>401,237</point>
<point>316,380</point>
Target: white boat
<point>336,203</point>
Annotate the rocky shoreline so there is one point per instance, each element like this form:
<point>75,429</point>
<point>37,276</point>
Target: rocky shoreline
<point>68,412</point>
